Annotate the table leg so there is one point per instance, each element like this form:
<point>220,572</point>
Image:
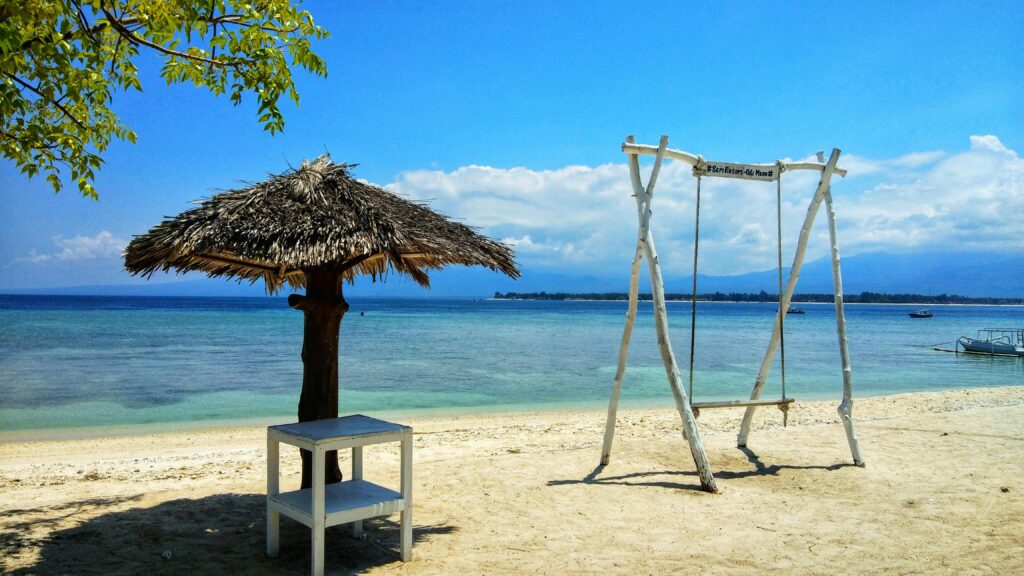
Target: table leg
<point>406,542</point>
<point>273,488</point>
<point>318,512</point>
<point>357,474</point>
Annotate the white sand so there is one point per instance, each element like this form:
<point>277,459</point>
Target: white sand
<point>943,492</point>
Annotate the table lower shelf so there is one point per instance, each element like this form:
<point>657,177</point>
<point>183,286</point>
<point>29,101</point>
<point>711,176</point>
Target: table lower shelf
<point>343,502</point>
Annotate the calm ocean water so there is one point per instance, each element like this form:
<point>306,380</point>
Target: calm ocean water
<point>114,361</point>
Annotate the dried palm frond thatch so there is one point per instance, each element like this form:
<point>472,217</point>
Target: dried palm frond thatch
<point>315,216</point>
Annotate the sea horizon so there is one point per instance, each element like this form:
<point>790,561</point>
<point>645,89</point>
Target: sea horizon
<point>94,365</point>
<point>427,296</point>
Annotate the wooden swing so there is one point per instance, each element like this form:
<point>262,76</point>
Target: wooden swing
<point>783,402</point>
<point>645,250</point>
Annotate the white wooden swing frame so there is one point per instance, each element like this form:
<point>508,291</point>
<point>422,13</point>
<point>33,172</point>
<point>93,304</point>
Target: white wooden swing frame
<point>645,250</point>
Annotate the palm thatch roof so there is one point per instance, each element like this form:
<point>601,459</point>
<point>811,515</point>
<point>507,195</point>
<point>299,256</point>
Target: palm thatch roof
<point>315,216</point>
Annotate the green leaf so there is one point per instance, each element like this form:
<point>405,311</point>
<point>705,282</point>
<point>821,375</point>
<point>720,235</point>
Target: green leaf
<point>65,122</point>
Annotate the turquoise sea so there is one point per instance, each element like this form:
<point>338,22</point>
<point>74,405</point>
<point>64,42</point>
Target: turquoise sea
<point>98,364</point>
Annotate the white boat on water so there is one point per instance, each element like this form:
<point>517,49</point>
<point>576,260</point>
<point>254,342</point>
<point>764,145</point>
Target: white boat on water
<point>995,341</point>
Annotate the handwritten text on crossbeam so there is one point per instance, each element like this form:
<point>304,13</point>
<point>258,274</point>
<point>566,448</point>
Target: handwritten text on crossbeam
<point>745,171</point>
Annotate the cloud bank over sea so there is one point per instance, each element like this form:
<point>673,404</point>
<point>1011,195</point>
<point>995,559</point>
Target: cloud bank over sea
<point>583,217</point>
<point>581,220</point>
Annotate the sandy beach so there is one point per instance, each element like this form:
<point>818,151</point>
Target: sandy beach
<point>942,492</point>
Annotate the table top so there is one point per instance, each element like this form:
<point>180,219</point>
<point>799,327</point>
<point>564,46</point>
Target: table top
<point>345,427</point>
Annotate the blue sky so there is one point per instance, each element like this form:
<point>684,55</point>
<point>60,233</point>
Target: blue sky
<point>509,116</point>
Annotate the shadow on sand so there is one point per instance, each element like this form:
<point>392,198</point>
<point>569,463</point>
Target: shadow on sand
<point>759,469</point>
<point>222,534</point>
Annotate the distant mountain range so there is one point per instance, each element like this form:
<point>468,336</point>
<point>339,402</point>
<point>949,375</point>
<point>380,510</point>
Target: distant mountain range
<point>974,274</point>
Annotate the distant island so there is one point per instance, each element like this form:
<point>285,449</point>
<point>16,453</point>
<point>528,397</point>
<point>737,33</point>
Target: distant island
<point>862,298</point>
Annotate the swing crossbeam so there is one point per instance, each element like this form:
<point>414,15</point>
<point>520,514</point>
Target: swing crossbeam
<point>695,160</point>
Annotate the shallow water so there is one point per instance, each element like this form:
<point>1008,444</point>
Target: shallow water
<point>98,361</point>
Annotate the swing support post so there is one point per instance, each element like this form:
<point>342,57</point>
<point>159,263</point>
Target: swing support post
<point>646,241</point>
<point>846,407</point>
<point>794,275</point>
<point>627,331</point>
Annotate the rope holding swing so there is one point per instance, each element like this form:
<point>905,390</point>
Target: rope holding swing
<point>784,402</point>
<point>693,295</point>
<point>782,313</point>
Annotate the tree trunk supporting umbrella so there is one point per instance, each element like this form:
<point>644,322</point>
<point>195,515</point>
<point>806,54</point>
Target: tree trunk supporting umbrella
<point>323,307</point>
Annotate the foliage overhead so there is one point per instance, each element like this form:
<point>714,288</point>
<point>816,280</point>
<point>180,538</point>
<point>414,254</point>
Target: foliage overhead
<point>61,61</point>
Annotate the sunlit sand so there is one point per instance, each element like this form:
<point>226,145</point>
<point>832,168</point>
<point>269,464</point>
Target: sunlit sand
<point>520,493</point>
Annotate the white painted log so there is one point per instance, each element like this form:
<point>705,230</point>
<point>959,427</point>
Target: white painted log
<point>620,371</point>
<point>319,518</point>
<point>675,378</point>
<point>736,403</point>
<point>405,540</point>
<point>357,474</point>
<point>273,489</point>
<point>693,159</point>
<point>816,166</point>
<point>794,275</point>
<point>690,432</point>
<point>846,407</point>
<point>627,331</point>
<point>647,150</point>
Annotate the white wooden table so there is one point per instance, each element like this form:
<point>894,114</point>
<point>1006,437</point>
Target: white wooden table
<point>351,501</point>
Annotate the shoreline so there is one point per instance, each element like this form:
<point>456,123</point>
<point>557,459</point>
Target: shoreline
<point>86,432</point>
<point>489,298</point>
<point>521,493</point>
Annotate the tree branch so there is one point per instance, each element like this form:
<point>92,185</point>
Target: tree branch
<point>113,60</point>
<point>14,138</point>
<point>236,19</point>
<point>84,22</point>
<point>134,39</point>
<point>213,52</point>
<point>125,29</point>
<point>50,100</point>
<point>91,31</point>
<point>300,302</point>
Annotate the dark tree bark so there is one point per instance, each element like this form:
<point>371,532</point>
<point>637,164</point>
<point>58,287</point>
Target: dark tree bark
<point>323,307</point>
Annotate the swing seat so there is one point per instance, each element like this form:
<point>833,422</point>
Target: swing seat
<point>782,403</point>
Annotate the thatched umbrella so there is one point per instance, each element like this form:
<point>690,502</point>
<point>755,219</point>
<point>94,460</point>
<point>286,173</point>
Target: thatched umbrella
<point>313,227</point>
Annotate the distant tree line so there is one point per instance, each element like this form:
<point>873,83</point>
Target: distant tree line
<point>763,296</point>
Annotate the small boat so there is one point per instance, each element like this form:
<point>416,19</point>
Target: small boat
<point>795,311</point>
<point>995,341</point>
<point>920,314</point>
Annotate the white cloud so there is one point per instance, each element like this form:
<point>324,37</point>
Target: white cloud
<point>519,196</point>
<point>916,159</point>
<point>584,218</point>
<point>526,244</point>
<point>967,201</point>
<point>102,245</point>
<point>990,143</point>
<point>859,166</point>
